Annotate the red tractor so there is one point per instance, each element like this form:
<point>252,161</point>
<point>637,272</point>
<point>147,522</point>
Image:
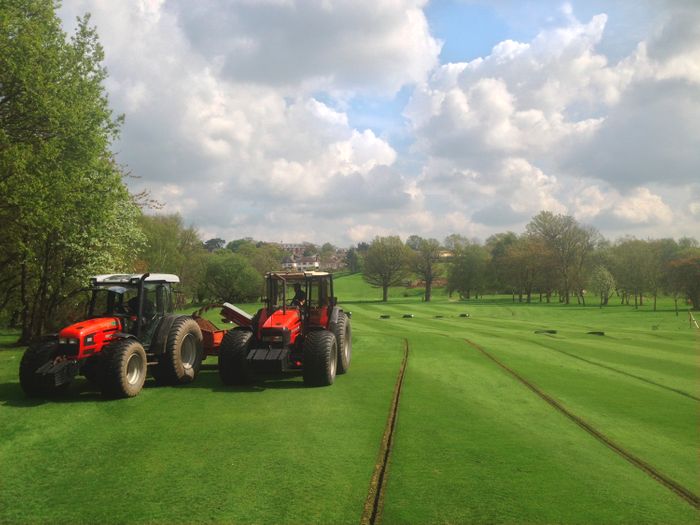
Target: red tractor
<point>130,326</point>
<point>301,328</point>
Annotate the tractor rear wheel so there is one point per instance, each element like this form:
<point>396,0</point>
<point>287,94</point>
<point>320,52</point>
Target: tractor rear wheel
<point>33,384</point>
<point>233,367</point>
<point>320,358</point>
<point>180,362</point>
<point>343,336</point>
<point>125,369</point>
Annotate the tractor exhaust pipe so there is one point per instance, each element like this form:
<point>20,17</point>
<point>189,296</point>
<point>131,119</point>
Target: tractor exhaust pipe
<point>142,299</point>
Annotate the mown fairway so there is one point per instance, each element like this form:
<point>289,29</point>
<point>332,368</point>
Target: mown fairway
<point>472,444</point>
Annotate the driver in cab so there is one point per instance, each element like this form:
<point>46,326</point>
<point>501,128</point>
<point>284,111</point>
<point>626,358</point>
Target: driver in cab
<point>299,296</point>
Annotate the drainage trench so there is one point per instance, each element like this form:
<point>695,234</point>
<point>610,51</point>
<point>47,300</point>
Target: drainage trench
<point>372,512</point>
<point>652,472</point>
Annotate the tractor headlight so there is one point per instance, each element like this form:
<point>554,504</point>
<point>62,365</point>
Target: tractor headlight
<point>89,340</point>
<point>62,341</point>
<point>72,341</point>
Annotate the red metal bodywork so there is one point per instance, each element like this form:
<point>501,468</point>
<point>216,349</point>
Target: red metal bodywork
<point>282,319</point>
<point>102,330</point>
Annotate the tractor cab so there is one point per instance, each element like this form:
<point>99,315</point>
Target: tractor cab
<point>306,292</point>
<point>140,301</point>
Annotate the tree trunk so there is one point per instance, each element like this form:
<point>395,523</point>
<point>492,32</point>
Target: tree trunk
<point>636,300</point>
<point>428,289</point>
<point>24,336</point>
<point>655,301</point>
<point>385,293</point>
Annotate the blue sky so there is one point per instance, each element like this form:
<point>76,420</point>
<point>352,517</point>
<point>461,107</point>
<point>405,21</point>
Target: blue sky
<point>267,118</point>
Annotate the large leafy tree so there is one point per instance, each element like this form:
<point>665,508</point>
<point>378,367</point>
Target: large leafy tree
<point>467,272</point>
<point>172,247</point>
<point>684,275</point>
<point>385,263</point>
<point>424,261</point>
<point>571,246</point>
<point>230,277</point>
<point>603,283</point>
<point>65,212</point>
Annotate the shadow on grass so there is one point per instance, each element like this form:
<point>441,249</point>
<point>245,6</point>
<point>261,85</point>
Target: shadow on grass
<point>11,395</point>
<point>81,390</point>
<point>209,378</point>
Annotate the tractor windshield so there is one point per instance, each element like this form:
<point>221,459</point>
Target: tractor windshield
<point>113,300</point>
<point>298,291</point>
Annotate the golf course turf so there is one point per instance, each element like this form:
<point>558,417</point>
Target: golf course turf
<point>471,442</point>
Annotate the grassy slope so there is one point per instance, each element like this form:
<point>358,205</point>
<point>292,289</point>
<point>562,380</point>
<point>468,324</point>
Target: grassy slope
<point>472,445</point>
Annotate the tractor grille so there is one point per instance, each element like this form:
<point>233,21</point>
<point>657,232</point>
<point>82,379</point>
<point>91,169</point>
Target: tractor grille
<point>276,338</point>
<point>70,350</point>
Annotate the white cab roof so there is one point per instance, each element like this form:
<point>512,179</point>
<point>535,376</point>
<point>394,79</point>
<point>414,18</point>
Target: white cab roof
<point>125,278</point>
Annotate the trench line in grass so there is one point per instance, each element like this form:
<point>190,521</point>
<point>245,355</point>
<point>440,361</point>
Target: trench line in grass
<point>664,480</point>
<point>613,369</point>
<point>375,496</point>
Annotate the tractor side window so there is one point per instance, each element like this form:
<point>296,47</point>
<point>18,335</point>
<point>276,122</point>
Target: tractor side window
<point>318,294</point>
<point>274,297</point>
<point>150,301</point>
<point>162,299</point>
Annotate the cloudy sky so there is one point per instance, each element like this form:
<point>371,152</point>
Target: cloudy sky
<point>339,120</point>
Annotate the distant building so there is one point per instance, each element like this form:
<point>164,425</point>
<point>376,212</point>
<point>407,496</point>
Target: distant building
<point>306,264</point>
<point>292,248</point>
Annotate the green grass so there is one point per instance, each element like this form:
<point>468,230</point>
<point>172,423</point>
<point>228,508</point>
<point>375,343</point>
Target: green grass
<point>472,444</point>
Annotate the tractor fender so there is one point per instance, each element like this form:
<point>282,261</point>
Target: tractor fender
<point>334,317</point>
<point>161,334</point>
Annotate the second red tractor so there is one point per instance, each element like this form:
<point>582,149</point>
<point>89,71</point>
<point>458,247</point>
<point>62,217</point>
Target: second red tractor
<point>300,328</point>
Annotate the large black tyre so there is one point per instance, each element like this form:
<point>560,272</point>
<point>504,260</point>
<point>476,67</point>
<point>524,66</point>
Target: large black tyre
<point>125,369</point>
<point>182,359</point>
<point>233,367</point>
<point>343,337</point>
<point>33,384</point>
<point>320,358</point>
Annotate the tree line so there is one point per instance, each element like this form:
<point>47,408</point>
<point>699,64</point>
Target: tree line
<point>556,257</point>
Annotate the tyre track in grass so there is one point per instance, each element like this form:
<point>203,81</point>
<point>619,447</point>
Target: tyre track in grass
<point>617,370</point>
<point>661,478</point>
<point>374,503</point>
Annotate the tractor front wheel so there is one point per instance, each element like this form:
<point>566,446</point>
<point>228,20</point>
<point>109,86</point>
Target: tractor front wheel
<point>125,369</point>
<point>33,384</point>
<point>180,362</point>
<point>233,367</point>
<point>343,336</point>
<point>320,358</point>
